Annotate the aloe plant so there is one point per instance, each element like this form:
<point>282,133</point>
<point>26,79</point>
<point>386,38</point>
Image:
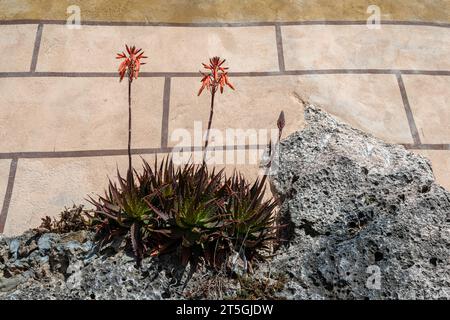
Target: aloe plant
<point>252,216</point>
<point>199,213</point>
<point>192,212</point>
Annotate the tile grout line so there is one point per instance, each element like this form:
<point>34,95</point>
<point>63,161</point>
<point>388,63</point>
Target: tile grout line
<point>166,110</point>
<point>8,193</point>
<point>234,74</point>
<point>226,24</point>
<point>137,151</point>
<point>37,45</point>
<point>113,152</point>
<point>409,114</point>
<point>280,51</point>
<point>427,146</point>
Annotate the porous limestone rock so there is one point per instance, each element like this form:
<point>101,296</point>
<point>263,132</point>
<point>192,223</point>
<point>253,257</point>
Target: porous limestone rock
<point>367,219</point>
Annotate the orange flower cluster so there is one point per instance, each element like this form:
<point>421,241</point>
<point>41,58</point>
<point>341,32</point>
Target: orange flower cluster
<point>217,76</point>
<point>132,63</point>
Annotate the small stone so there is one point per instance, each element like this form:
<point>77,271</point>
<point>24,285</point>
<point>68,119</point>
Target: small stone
<point>14,246</point>
<point>238,264</point>
<point>26,250</point>
<point>8,284</point>
<point>45,242</point>
<point>74,280</point>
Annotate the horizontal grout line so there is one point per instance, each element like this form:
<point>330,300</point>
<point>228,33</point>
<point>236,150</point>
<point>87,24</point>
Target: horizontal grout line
<point>227,24</point>
<point>138,151</point>
<point>115,152</point>
<point>366,71</point>
<point>428,146</point>
<point>40,74</point>
<point>75,154</point>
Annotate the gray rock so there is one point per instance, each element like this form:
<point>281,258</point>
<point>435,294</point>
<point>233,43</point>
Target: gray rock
<point>8,284</point>
<point>367,219</point>
<point>69,267</point>
<point>45,242</point>
<point>14,247</point>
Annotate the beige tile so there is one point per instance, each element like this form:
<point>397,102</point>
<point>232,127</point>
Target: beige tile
<point>4,175</point>
<point>244,161</point>
<point>45,186</point>
<point>17,45</point>
<point>440,160</point>
<point>93,48</point>
<point>53,114</point>
<point>369,102</point>
<point>429,98</point>
<point>391,47</point>
<point>255,105</point>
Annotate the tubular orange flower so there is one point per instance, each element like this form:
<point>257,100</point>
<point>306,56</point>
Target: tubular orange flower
<point>216,76</point>
<point>132,63</point>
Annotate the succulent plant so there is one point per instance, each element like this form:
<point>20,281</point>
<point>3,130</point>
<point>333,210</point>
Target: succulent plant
<point>253,219</point>
<point>199,213</point>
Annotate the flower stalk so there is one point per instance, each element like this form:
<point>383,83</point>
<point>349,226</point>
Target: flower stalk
<point>129,172</point>
<point>211,114</point>
<point>130,67</point>
<point>215,78</point>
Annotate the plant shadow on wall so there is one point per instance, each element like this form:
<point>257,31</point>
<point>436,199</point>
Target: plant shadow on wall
<point>196,213</point>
